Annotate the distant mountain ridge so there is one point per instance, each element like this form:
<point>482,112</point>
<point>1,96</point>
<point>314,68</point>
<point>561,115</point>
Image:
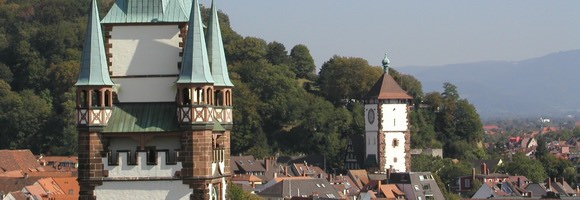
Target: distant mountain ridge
<point>542,86</point>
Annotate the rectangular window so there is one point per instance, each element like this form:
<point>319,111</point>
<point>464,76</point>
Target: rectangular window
<point>467,183</point>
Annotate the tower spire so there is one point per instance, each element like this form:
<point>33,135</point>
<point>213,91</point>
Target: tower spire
<point>195,64</point>
<point>386,63</point>
<point>219,67</point>
<point>94,69</point>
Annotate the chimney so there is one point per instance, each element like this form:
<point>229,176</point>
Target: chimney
<point>519,182</point>
<point>286,170</point>
<point>549,184</point>
<point>275,175</point>
<point>562,181</point>
<point>472,174</point>
<point>267,162</point>
<point>484,169</point>
<point>379,188</point>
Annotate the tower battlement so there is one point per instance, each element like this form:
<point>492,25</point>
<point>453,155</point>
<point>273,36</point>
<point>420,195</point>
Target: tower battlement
<point>141,164</point>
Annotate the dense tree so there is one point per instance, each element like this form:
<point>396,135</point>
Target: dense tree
<point>342,79</point>
<point>526,166</point>
<point>302,62</point>
<point>277,54</point>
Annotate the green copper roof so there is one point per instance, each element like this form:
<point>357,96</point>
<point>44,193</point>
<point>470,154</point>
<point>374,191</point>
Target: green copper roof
<point>143,117</point>
<point>148,11</point>
<point>94,69</point>
<point>217,127</point>
<point>195,63</point>
<point>215,51</point>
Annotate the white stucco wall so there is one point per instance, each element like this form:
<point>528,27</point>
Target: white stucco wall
<point>150,89</point>
<point>122,143</point>
<point>392,152</point>
<point>394,117</point>
<point>123,190</point>
<point>170,143</point>
<point>145,50</point>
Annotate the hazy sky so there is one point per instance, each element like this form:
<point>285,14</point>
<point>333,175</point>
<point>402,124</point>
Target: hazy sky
<point>412,32</point>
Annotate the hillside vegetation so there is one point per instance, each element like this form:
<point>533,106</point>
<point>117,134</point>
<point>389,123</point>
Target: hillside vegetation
<point>280,104</point>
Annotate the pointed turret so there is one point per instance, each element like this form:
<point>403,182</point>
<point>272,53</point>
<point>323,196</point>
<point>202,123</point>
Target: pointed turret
<point>215,51</point>
<point>195,64</point>
<point>94,70</point>
<point>94,85</point>
<point>195,83</point>
<point>219,69</point>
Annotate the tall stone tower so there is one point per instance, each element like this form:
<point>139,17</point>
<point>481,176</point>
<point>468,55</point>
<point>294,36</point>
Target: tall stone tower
<point>387,134</point>
<point>154,104</point>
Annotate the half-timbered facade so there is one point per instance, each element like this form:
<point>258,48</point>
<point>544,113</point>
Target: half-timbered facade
<point>154,103</point>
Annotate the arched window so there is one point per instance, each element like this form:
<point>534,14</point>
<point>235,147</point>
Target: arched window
<point>108,98</point>
<point>84,99</point>
<point>218,98</point>
<point>96,98</point>
<point>209,97</point>
<point>228,98</point>
<point>198,99</point>
<point>186,100</point>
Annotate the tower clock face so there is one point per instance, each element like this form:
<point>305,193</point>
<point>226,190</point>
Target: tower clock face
<point>371,116</point>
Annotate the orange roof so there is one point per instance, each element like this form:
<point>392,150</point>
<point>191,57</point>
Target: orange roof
<point>36,190</point>
<point>246,177</point>
<point>15,173</point>
<point>18,160</point>
<point>70,186</point>
<point>52,174</point>
<point>49,185</point>
<point>360,177</point>
<point>387,88</point>
<point>391,191</point>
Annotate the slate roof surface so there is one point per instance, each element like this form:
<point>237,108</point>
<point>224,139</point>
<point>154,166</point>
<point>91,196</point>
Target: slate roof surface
<point>148,11</point>
<point>215,51</point>
<point>387,88</point>
<point>12,160</point>
<point>195,63</point>
<point>290,187</point>
<point>143,117</point>
<point>94,68</point>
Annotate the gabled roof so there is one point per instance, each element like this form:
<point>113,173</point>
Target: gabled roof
<point>94,69</point>
<point>13,160</point>
<point>386,88</point>
<point>391,191</point>
<point>195,64</point>
<point>148,11</point>
<point>215,50</point>
<point>15,184</point>
<point>143,117</point>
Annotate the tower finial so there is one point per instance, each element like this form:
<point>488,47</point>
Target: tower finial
<point>386,63</point>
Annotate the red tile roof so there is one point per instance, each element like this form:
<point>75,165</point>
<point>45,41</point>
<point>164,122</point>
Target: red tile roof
<point>70,186</point>
<point>10,184</point>
<point>387,88</point>
<point>18,160</point>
